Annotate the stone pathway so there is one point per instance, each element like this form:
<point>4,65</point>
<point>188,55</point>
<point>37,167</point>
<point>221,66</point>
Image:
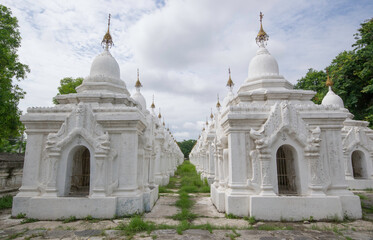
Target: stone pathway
<point>165,208</point>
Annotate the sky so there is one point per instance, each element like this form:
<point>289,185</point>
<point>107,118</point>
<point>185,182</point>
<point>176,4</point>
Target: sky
<point>182,48</point>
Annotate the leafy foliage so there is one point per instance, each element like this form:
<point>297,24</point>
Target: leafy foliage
<point>11,71</point>
<point>352,74</point>
<point>315,81</point>
<point>68,85</point>
<point>6,202</point>
<point>12,145</point>
<point>186,146</point>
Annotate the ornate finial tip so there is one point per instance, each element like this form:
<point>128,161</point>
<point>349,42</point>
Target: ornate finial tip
<point>262,36</point>
<point>329,82</point>
<point>153,105</point>
<point>107,41</point>
<point>230,83</point>
<point>138,83</point>
<point>218,103</point>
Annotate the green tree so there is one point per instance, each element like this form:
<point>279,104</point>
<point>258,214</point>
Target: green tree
<point>186,146</point>
<point>68,85</point>
<point>352,74</point>
<point>315,81</point>
<point>11,72</point>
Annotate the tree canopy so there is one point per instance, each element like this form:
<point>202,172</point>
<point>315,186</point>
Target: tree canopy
<point>68,85</point>
<point>352,74</point>
<point>186,146</point>
<point>11,71</point>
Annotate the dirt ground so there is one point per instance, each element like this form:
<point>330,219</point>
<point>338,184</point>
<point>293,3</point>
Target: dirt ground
<point>224,228</point>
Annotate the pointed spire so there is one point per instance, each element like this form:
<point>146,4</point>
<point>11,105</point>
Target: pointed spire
<point>107,41</point>
<point>207,122</point>
<point>329,82</point>
<point>218,103</point>
<point>262,36</point>
<point>163,122</point>
<point>230,83</point>
<point>153,105</point>
<point>211,115</point>
<point>159,114</point>
<point>138,84</point>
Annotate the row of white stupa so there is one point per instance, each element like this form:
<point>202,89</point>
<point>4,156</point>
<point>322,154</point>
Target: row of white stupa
<point>270,152</point>
<point>99,152</point>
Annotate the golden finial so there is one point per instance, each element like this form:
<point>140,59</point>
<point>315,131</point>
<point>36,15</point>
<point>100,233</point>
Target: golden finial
<point>211,115</point>
<point>218,103</point>
<point>138,83</point>
<point>153,105</point>
<point>329,82</point>
<point>163,122</point>
<point>207,122</point>
<point>230,83</point>
<point>262,36</point>
<point>203,129</point>
<point>107,41</point>
<point>159,114</point>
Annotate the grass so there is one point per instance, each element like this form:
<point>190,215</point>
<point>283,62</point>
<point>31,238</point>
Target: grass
<point>29,220</point>
<point>184,225</point>
<point>252,220</point>
<point>190,180</point>
<point>184,201</point>
<point>70,219</point>
<point>163,189</point>
<point>136,225</point>
<point>17,235</point>
<point>268,227</point>
<point>362,196</point>
<point>6,202</point>
<point>21,215</point>
<point>185,214</point>
<point>232,216</point>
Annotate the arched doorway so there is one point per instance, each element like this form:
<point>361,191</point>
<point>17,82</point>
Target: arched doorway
<point>80,174</point>
<point>358,164</point>
<point>286,173</point>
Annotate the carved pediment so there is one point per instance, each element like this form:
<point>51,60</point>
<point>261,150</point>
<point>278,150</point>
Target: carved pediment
<point>80,123</point>
<point>283,118</point>
<point>356,136</point>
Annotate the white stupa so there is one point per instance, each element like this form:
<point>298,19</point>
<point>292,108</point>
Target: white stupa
<point>331,98</point>
<point>92,154</point>
<point>277,154</point>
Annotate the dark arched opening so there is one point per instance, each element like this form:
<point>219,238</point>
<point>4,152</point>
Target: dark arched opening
<point>358,166</point>
<point>80,175</point>
<point>286,174</point>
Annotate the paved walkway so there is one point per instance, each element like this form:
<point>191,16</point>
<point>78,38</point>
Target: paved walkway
<point>165,208</point>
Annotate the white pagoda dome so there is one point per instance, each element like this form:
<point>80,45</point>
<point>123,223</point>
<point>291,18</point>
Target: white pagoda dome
<point>105,72</point>
<point>331,98</point>
<point>137,96</point>
<point>263,64</point>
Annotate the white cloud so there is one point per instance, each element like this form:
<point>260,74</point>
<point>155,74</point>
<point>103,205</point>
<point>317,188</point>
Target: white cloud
<point>183,48</point>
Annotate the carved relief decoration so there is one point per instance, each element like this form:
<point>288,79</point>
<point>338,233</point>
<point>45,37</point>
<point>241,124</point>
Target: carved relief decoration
<point>81,123</point>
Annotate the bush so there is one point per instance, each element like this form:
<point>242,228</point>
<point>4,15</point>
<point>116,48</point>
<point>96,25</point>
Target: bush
<point>6,202</point>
